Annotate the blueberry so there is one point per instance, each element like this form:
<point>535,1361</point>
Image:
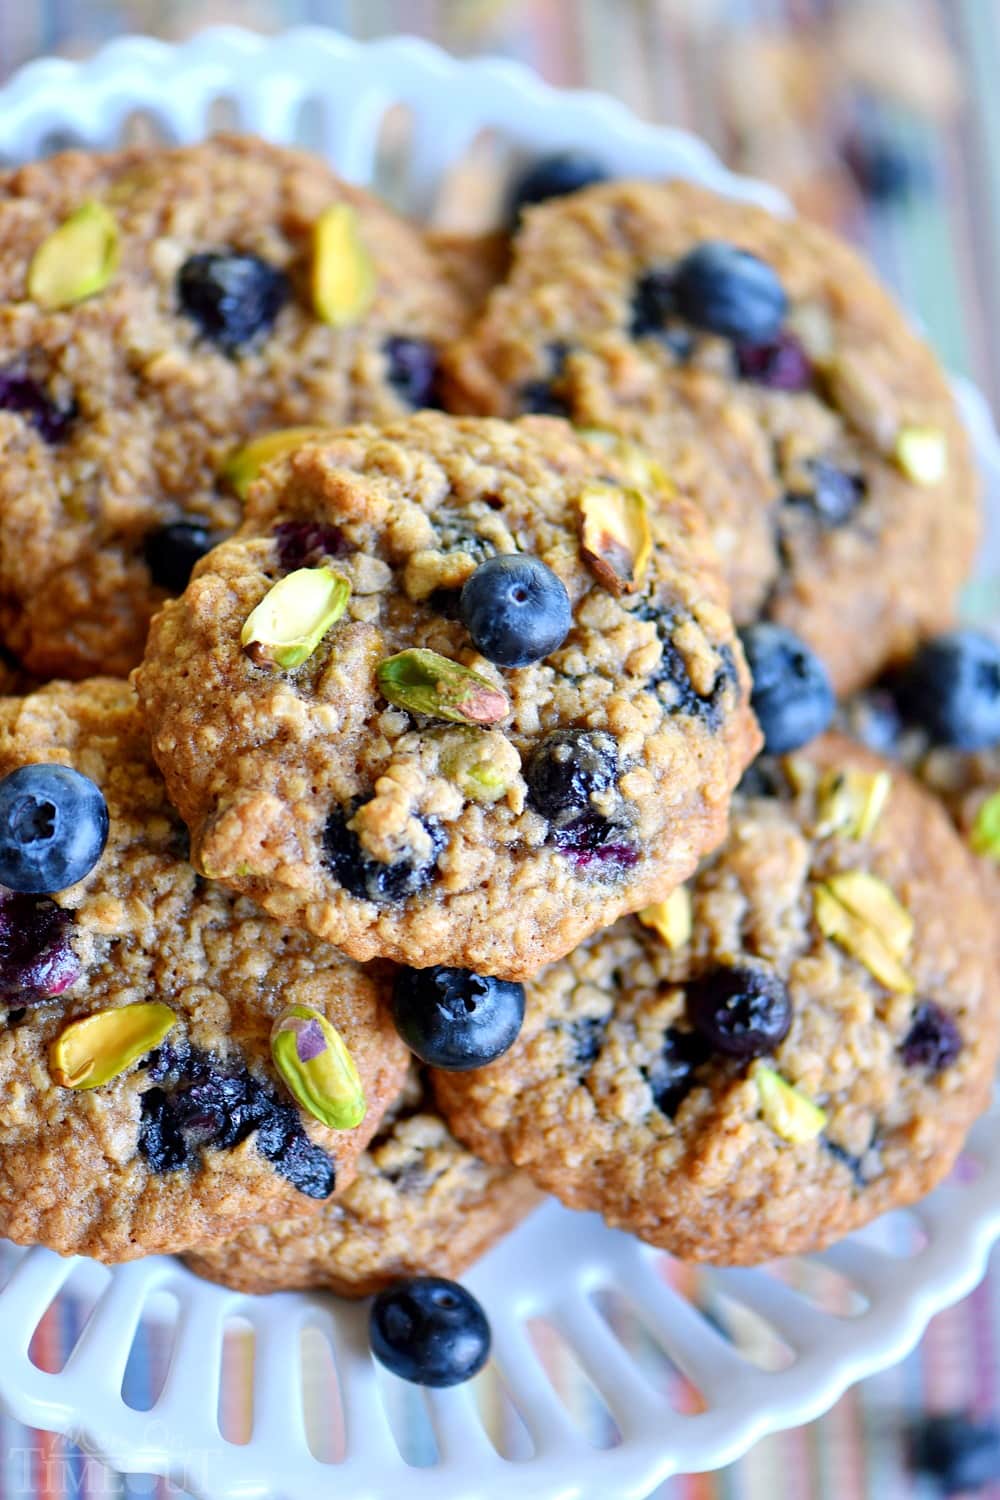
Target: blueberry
<point>429,1330</point>
<point>592,839</point>
<point>652,303</point>
<point>515,609</point>
<point>234,299</point>
<point>20,393</point>
<point>567,768</point>
<point>781,364</point>
<point>792,696</point>
<point>367,879</point>
<point>834,495</point>
<point>454,1019</point>
<point>37,961</point>
<point>933,1040</point>
<point>884,169</point>
<point>952,689</point>
<point>304,544</point>
<point>172,551</point>
<point>671,1076</point>
<point>673,684</point>
<point>587,1036</point>
<point>555,176</point>
<point>53,828</point>
<point>740,1012</point>
<point>728,291</point>
<point>958,1451</point>
<point>412,369</point>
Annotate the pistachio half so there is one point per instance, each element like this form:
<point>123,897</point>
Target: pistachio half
<point>92,1051</point>
<point>922,454</point>
<point>294,616</point>
<point>425,683</point>
<point>243,465</point>
<point>789,1112</point>
<point>860,913</point>
<point>985,837</point>
<point>312,1058</point>
<point>851,802</point>
<point>616,542</point>
<point>76,260</point>
<point>483,765</point>
<point>671,919</point>
<point>343,272</point>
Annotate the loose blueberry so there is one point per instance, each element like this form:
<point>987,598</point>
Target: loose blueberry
<point>567,768</point>
<point>834,496</point>
<point>430,1331</point>
<point>952,689</point>
<point>37,961</point>
<point>304,544</point>
<point>671,1076</point>
<point>883,169</point>
<point>53,828</point>
<point>412,369</point>
<point>792,696</point>
<point>234,299</point>
<point>933,1040</point>
<point>959,1452</point>
<point>20,393</point>
<point>740,1012</point>
<point>454,1019</point>
<point>172,551</point>
<point>781,364</point>
<point>728,291</point>
<point>367,879</point>
<point>515,609</point>
<point>553,177</point>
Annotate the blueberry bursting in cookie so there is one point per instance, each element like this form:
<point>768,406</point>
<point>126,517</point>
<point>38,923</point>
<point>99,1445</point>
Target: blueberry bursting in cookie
<point>173,1064</point>
<point>457,693</point>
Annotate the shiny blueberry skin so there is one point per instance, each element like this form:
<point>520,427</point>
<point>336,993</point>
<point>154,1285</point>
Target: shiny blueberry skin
<point>412,369</point>
<point>959,1452</point>
<point>952,690</point>
<point>172,551</point>
<point>234,299</point>
<point>53,828</point>
<point>792,696</point>
<point>933,1040</point>
<point>21,393</point>
<point>515,609</point>
<point>781,365</point>
<point>567,768</point>
<point>430,1331</point>
<point>455,1019</point>
<point>728,291</point>
<point>368,879</point>
<point>37,961</point>
<point>553,177</point>
<point>740,1012</point>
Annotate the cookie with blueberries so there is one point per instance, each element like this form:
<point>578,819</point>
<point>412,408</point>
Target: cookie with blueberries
<point>174,1064</point>
<point>793,1043</point>
<point>420,1205</point>
<point>158,307</point>
<point>766,371</point>
<point>458,692</point>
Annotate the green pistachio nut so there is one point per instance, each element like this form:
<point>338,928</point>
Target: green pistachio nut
<point>343,272</point>
<point>483,764</point>
<point>76,260</point>
<point>425,683</point>
<point>95,1049</point>
<point>294,616</point>
<point>985,838</point>
<point>862,915</point>
<point>851,802</point>
<point>786,1109</point>
<point>312,1058</point>
<point>922,454</point>
<point>243,465</point>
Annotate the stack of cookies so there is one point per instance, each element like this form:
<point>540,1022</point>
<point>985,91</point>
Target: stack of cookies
<point>422,779</point>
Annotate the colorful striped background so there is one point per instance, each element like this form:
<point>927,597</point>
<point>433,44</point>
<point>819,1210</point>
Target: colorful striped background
<point>941,250</point>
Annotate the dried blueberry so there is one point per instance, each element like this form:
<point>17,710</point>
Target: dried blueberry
<point>455,1019</point>
<point>728,291</point>
<point>233,298</point>
<point>933,1040</point>
<point>780,364</point>
<point>430,1331</point>
<point>553,177</point>
<point>515,609</point>
<point>412,369</point>
<point>172,551</point>
<point>740,1012</point>
<point>304,544</point>
<point>367,879</point>
<point>21,393</point>
<point>671,1076</point>
<point>53,828</point>
<point>37,961</point>
<point>833,496</point>
<point>952,689</point>
<point>567,768</point>
<point>792,695</point>
<point>958,1451</point>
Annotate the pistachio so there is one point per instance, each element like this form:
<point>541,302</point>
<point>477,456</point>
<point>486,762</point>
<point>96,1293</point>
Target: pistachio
<point>985,837</point>
<point>94,1050</point>
<point>243,465</point>
<point>483,766</point>
<point>425,683</point>
<point>76,260</point>
<point>851,802</point>
<point>638,463</point>
<point>312,1058</point>
<point>294,616</point>
<point>860,912</point>
<point>343,272</point>
<point>670,918</point>
<point>922,454</point>
<point>615,537</point>
<point>789,1112</point>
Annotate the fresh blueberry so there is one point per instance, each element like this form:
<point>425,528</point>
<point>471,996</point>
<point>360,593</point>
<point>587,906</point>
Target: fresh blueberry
<point>567,768</point>
<point>454,1019</point>
<point>671,1076</point>
<point>20,393</point>
<point>933,1040</point>
<point>429,1330</point>
<point>368,879</point>
<point>781,364</point>
<point>304,544</point>
<point>53,828</point>
<point>37,961</point>
<point>834,495</point>
<point>792,696</point>
<point>172,551</point>
<point>959,1452</point>
<point>883,169</point>
<point>234,299</point>
<point>412,369</point>
<point>740,1012</point>
<point>515,609</point>
<point>555,176</point>
<point>728,291</point>
<point>952,689</point>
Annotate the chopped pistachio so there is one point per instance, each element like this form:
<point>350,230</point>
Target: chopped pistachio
<point>922,454</point>
<point>670,918</point>
<point>343,272</point>
<point>425,683</point>
<point>76,260</point>
<point>860,912</point>
<point>851,802</point>
<point>483,765</point>
<point>615,537</point>
<point>313,1059</point>
<point>294,616</point>
<point>789,1112</point>
<point>243,465</point>
<point>985,837</point>
<point>94,1050</point>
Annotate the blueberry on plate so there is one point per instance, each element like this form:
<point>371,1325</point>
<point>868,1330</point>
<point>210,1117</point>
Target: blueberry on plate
<point>429,1330</point>
<point>172,551</point>
<point>740,1012</point>
<point>952,689</point>
<point>958,1451</point>
<point>792,695</point>
<point>515,609</point>
<point>555,176</point>
<point>567,768</point>
<point>455,1019</point>
<point>728,291</point>
<point>233,298</point>
<point>53,828</point>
